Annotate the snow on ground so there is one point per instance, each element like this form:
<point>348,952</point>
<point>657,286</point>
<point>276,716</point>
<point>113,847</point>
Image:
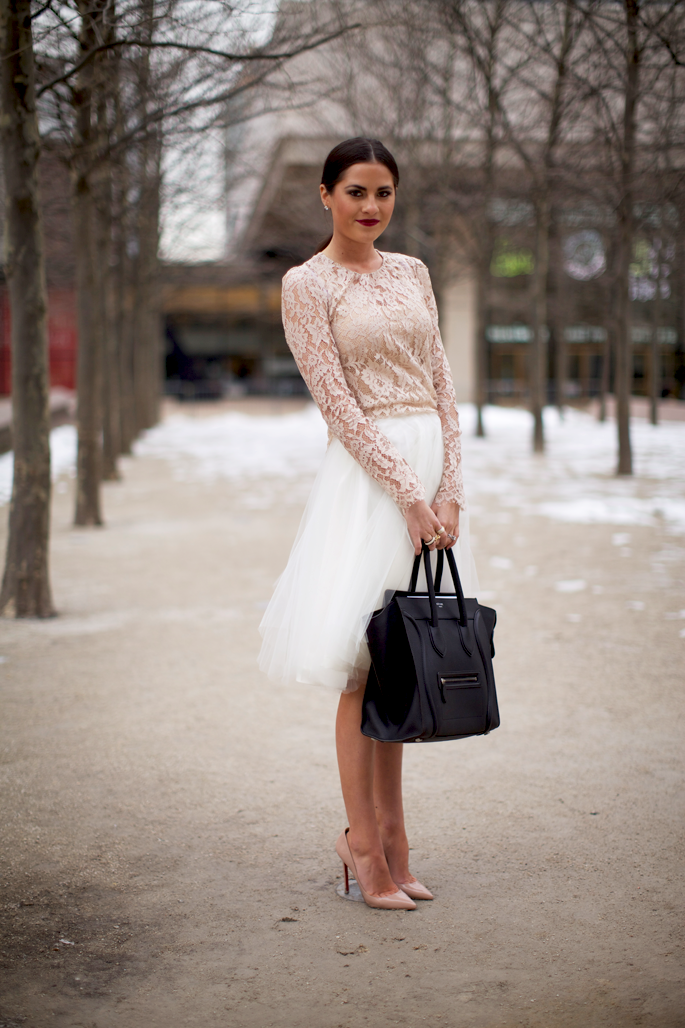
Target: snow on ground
<point>62,458</point>
<point>239,447</point>
<point>575,480</point>
<point>274,458</point>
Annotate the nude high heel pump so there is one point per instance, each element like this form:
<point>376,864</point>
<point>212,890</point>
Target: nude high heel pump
<point>415,890</point>
<point>398,901</point>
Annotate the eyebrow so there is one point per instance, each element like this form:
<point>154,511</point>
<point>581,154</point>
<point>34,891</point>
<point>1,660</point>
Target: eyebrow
<point>353,185</point>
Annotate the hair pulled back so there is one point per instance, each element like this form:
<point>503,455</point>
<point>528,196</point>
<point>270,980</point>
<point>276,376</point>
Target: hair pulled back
<point>357,150</point>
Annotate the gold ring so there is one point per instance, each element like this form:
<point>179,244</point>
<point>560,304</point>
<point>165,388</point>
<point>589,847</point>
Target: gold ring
<point>440,530</point>
<point>429,542</point>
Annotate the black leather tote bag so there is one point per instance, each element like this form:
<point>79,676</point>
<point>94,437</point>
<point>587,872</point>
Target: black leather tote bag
<point>431,675</point>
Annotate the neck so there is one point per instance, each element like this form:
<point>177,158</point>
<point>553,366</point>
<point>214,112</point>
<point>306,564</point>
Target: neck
<point>358,256</point>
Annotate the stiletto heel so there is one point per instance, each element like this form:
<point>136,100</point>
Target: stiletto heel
<point>398,901</point>
<point>347,879</point>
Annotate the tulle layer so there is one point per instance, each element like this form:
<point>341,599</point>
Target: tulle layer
<point>352,545</point>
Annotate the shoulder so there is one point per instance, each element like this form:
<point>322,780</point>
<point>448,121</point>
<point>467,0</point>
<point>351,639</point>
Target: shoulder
<point>310,271</point>
<point>402,263</point>
<point>403,260</point>
<point>306,280</point>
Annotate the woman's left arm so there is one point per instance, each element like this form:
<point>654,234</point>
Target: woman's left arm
<point>450,495</point>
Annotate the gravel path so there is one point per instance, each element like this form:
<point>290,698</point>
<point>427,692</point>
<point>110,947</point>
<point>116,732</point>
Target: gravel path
<point>169,816</point>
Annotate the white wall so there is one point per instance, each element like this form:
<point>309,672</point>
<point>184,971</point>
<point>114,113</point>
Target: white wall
<point>458,329</point>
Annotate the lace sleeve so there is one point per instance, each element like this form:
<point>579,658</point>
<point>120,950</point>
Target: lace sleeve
<point>309,336</point>
<point>452,486</point>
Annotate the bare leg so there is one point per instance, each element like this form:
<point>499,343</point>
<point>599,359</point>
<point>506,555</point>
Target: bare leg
<point>387,790</point>
<point>356,765</point>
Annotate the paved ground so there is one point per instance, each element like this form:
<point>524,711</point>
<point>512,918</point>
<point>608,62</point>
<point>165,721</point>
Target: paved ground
<point>169,816</point>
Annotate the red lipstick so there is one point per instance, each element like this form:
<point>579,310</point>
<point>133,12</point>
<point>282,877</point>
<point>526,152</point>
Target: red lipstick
<point>369,222</point>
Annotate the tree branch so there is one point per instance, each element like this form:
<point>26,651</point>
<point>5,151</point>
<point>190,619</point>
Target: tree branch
<point>191,48</point>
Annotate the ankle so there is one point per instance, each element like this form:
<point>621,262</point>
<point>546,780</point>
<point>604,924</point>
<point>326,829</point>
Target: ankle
<point>366,846</point>
<point>392,831</point>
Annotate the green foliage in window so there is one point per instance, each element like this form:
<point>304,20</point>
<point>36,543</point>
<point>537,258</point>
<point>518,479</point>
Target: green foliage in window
<point>509,261</point>
<point>643,259</point>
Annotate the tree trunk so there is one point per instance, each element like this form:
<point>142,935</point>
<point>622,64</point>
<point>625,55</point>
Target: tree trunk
<point>482,292</point>
<point>654,348</point>
<point>608,325</point>
<point>26,584</point>
<point>122,284</point>
<point>538,370</point>
<point>605,381</point>
<point>484,260</point>
<point>679,370</point>
<point>125,342</point>
<point>102,210</point>
<point>147,350</point>
<point>624,353</point>
<point>90,349</point>
<point>89,370</point>
<point>147,354</point>
<point>111,435</point>
<point>557,318</point>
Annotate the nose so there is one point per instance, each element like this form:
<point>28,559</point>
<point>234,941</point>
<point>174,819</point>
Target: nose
<point>370,207</point>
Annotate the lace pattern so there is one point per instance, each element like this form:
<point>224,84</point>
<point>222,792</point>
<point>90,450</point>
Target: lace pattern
<point>368,346</point>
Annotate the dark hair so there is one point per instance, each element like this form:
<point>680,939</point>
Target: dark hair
<point>358,150</point>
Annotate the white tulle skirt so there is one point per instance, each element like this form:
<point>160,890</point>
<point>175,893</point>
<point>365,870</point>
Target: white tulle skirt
<point>352,545</point>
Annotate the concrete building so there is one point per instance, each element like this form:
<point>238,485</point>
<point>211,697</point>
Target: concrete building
<point>275,220</point>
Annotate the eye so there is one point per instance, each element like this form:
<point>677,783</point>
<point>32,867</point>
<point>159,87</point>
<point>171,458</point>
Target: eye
<point>354,192</point>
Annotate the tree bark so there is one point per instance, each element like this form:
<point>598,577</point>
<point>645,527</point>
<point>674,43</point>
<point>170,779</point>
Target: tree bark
<point>111,434</point>
<point>605,381</point>
<point>484,259</point>
<point>624,353</point>
<point>147,350</point>
<point>102,209</point>
<point>26,585</point>
<point>147,353</point>
<point>482,293</point>
<point>557,319</point>
<point>90,349</point>
<point>538,369</point>
<point>122,285</point>
<point>655,348</point>
<point>539,355</point>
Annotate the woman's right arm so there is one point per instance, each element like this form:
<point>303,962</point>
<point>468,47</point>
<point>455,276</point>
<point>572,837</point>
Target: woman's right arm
<point>309,336</point>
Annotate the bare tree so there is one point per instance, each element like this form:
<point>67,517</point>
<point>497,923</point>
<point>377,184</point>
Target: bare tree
<point>482,27</point>
<point>85,107</point>
<point>26,584</point>
<point>632,47</point>
<point>535,121</point>
<point>175,70</point>
<point>624,369</point>
<point>89,273</point>
<point>438,77</point>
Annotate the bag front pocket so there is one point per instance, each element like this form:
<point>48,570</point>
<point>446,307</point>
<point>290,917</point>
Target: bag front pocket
<point>463,695</point>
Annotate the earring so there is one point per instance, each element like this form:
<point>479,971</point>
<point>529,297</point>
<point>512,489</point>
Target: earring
<point>326,208</point>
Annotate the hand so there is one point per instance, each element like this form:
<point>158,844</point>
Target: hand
<point>448,515</point>
<point>423,523</point>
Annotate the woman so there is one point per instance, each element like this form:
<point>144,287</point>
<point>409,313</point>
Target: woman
<point>363,329</point>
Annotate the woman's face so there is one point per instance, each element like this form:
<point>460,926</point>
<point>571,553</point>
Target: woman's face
<point>362,202</point>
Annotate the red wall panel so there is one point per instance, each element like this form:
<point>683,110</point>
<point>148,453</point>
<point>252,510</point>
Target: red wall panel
<point>62,337</point>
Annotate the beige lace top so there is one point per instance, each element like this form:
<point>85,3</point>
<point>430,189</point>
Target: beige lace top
<point>368,346</point>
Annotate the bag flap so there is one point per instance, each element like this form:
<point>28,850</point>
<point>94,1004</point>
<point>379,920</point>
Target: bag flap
<point>417,605</point>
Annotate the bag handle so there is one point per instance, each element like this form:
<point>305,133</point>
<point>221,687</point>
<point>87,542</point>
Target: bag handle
<point>440,564</point>
<point>438,572</point>
<point>433,587</point>
<point>463,619</point>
